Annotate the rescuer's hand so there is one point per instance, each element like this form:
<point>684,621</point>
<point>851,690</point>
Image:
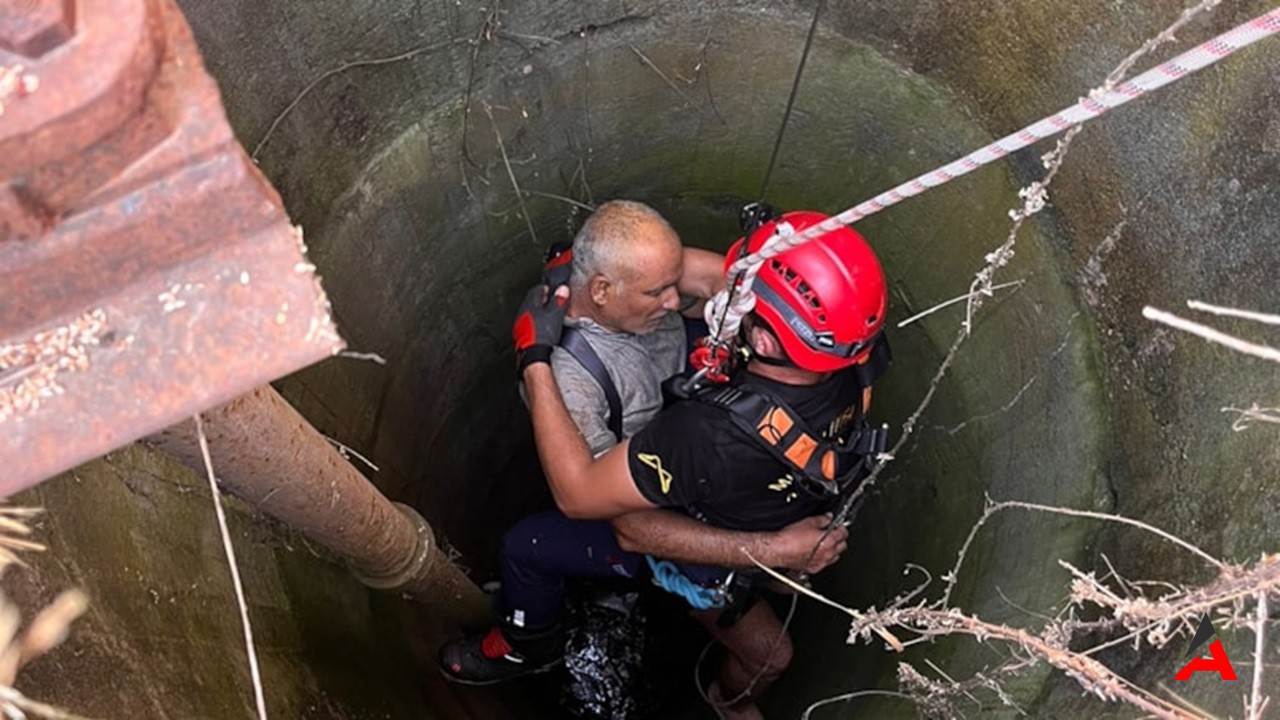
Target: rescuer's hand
<point>558,265</point>
<point>807,545</point>
<point>538,324</point>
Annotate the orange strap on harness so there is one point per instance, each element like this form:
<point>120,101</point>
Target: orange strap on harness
<point>830,463</point>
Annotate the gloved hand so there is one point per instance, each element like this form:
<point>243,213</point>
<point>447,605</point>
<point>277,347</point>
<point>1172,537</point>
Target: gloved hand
<point>538,324</point>
<point>558,265</point>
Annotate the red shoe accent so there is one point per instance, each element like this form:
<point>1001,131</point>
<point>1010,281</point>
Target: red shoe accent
<point>494,645</point>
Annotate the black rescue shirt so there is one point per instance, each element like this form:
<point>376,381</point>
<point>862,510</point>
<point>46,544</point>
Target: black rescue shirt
<point>692,456</point>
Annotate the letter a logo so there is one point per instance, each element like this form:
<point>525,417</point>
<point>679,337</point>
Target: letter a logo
<point>655,462</point>
<point>1219,663</point>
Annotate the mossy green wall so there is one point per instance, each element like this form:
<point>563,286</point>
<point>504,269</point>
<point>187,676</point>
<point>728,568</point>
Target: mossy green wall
<point>162,637</point>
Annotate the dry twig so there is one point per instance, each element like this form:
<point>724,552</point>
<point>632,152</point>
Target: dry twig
<point>1266,352</point>
<point>1252,414</point>
<point>1257,703</point>
<point>506,162</point>
<point>852,696</point>
<point>346,453</point>
<point>562,198</point>
<point>46,631</point>
<point>1263,318</point>
<point>488,27</point>
<point>948,303</point>
<point>995,507</point>
<point>16,706</point>
<point>661,74</point>
<point>338,71</point>
<point>374,357</point>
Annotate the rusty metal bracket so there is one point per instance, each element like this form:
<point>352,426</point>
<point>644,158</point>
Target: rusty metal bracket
<point>147,269</point>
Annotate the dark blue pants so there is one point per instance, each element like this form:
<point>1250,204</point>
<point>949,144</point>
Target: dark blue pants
<point>540,552</point>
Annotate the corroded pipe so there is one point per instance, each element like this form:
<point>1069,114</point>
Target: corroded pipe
<point>267,454</point>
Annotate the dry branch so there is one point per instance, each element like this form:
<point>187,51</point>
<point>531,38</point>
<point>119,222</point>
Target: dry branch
<point>1266,352</point>
<point>46,631</point>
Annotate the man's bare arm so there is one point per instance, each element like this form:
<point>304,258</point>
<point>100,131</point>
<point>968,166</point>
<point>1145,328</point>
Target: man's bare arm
<point>583,487</point>
<point>702,274</point>
<point>673,536</point>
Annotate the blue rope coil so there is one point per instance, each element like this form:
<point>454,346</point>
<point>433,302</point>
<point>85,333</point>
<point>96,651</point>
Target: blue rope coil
<point>668,577</point>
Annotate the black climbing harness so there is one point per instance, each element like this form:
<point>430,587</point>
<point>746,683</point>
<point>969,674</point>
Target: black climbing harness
<point>825,467</point>
<point>573,341</point>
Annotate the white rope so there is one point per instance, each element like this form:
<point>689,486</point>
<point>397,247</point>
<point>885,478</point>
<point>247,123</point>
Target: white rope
<point>235,573</point>
<point>1099,101</point>
<point>725,310</point>
<point>728,314</point>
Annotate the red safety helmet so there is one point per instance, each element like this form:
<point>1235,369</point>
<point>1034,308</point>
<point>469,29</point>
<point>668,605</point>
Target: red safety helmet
<point>825,300</point>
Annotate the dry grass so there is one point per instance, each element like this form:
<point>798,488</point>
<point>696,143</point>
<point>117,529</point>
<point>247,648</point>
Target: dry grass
<point>1137,613</point>
<point>44,633</point>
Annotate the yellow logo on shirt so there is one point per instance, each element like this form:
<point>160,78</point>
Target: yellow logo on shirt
<point>655,462</point>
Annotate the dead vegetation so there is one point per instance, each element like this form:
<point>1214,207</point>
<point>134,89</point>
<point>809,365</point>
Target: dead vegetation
<point>47,629</point>
<point>1099,613</point>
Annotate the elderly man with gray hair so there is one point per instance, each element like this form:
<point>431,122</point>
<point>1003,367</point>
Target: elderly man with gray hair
<point>630,273</point>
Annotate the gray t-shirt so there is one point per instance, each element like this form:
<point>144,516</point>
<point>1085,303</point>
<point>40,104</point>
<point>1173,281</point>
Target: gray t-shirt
<point>637,364</point>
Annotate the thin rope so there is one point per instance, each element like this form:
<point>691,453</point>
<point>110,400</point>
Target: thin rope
<point>791,99</point>
<point>1098,102</point>
<point>235,572</point>
<point>748,276</point>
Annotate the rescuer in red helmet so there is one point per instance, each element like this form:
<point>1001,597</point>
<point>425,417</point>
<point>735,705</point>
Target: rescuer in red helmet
<point>824,301</point>
<point>780,442</point>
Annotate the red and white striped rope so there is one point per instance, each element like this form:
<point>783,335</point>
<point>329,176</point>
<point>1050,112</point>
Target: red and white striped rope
<point>1088,108</point>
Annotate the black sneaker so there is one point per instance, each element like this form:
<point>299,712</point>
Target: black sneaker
<point>488,659</point>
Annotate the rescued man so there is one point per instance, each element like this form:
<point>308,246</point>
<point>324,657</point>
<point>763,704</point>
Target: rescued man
<point>819,311</point>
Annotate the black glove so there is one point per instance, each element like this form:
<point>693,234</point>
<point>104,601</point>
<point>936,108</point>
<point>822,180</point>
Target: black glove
<point>558,265</point>
<point>538,325</point>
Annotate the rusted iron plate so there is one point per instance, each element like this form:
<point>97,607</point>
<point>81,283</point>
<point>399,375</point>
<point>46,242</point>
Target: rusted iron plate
<point>147,269</point>
<point>32,28</point>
